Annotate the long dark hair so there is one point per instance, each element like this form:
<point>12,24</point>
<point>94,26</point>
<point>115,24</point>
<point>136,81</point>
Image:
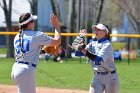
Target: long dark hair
<point>22,18</point>
<point>107,36</point>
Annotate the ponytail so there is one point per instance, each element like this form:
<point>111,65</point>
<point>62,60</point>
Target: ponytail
<point>107,36</point>
<point>20,40</point>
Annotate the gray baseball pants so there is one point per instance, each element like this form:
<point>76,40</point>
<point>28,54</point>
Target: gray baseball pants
<point>108,83</point>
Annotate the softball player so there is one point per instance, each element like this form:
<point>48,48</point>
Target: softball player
<point>28,44</point>
<point>100,53</point>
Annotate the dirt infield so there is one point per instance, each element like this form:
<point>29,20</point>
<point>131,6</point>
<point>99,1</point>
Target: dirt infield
<point>13,89</point>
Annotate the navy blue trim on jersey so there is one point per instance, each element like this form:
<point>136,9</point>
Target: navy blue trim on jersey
<point>95,58</point>
<point>27,63</point>
<point>102,40</point>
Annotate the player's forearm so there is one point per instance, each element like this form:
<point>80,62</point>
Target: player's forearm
<point>88,54</point>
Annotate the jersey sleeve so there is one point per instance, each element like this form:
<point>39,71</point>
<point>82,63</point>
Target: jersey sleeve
<point>43,39</point>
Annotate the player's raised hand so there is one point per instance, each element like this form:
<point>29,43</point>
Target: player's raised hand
<point>83,32</point>
<point>55,22</point>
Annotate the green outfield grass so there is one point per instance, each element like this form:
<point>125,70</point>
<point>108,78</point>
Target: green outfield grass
<point>3,50</point>
<point>73,75</point>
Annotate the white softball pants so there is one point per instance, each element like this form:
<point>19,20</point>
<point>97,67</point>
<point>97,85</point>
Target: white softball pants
<point>24,76</point>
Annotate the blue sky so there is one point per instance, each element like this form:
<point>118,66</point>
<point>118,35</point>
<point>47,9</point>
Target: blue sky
<point>19,6</point>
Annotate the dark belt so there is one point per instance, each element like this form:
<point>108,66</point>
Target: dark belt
<point>27,63</point>
<point>106,72</point>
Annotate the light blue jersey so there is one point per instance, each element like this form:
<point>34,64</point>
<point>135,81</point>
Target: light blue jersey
<point>105,78</point>
<point>28,45</point>
<point>105,75</point>
<point>103,50</point>
<point>32,42</point>
<point>24,69</point>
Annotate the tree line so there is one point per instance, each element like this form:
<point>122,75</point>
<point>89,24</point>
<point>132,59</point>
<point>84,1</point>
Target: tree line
<point>83,14</point>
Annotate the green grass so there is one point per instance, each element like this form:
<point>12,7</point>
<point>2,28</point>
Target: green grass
<point>73,75</point>
<point>3,50</point>
<point>69,74</point>
<point>5,69</point>
<point>129,76</point>
<point>118,45</point>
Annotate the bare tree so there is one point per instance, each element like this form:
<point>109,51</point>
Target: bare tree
<point>100,11</point>
<point>33,4</point>
<point>132,9</point>
<point>55,8</point>
<point>71,23</point>
<point>79,15</point>
<point>88,13</point>
<point>6,5</point>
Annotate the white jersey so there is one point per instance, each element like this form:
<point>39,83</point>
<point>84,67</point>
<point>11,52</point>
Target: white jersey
<point>32,42</point>
<point>104,50</point>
